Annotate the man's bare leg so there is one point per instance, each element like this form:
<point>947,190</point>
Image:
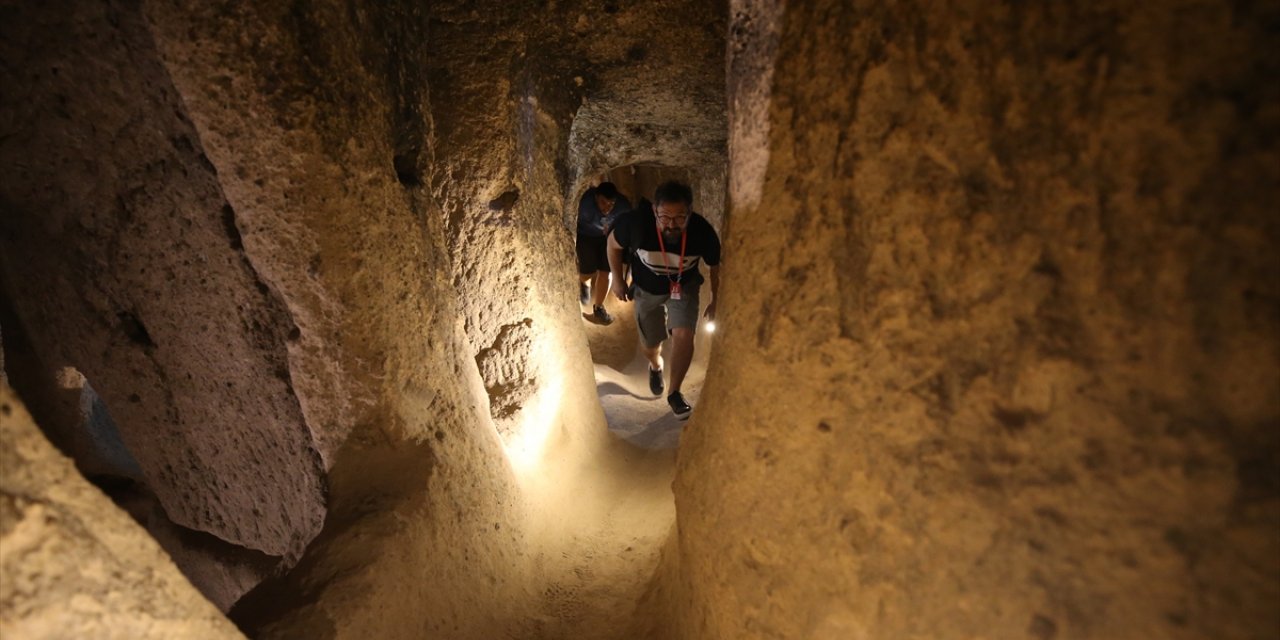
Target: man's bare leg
<point>681,356</point>
<point>654,356</point>
<point>599,288</point>
<point>655,367</point>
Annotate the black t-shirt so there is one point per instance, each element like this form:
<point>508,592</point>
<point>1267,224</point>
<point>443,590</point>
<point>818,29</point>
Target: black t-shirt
<point>638,230</point>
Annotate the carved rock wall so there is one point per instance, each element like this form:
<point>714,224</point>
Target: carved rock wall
<point>73,564</point>
<point>124,259</point>
<point>320,124</point>
<point>999,348</point>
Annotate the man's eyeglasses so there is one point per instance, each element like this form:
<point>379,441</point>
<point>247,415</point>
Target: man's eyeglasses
<point>675,219</point>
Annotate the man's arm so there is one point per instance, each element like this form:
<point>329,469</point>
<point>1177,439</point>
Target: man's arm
<point>714,272</point>
<point>616,264</point>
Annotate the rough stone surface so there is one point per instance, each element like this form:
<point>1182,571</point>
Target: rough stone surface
<point>124,260</point>
<point>505,369</point>
<point>320,131</point>
<point>437,211</point>
<point>72,564</point>
<point>999,346</point>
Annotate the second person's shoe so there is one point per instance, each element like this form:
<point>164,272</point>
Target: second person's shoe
<point>601,316</point>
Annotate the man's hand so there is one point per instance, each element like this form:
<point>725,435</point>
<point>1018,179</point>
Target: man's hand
<point>617,268</point>
<point>715,291</point>
<point>620,288</point>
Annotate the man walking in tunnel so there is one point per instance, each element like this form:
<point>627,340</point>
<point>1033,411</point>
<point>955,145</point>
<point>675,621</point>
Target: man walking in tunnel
<point>666,242</point>
<point>599,208</point>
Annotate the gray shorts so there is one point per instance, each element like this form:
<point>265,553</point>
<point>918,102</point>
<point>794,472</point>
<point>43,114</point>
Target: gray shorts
<point>657,314</point>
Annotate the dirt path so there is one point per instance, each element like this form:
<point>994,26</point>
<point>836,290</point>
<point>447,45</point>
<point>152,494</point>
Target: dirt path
<point>633,413</point>
<point>601,521</point>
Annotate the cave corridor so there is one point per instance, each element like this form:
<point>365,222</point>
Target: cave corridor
<point>291,346</point>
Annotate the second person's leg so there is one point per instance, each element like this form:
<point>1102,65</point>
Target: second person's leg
<point>599,288</point>
<point>586,268</point>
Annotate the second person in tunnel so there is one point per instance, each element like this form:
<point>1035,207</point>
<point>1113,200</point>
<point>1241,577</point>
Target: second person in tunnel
<point>598,210</point>
<point>664,244</point>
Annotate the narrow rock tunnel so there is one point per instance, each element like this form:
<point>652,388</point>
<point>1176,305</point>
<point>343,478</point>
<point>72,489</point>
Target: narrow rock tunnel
<point>289,290</point>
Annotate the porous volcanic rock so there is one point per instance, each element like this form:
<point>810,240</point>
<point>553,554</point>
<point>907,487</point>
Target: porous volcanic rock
<point>72,564</point>
<point>124,259</point>
<point>999,346</point>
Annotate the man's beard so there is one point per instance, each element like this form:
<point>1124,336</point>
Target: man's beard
<point>671,236</point>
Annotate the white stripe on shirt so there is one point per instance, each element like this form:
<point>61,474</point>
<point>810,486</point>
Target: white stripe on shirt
<point>654,260</point>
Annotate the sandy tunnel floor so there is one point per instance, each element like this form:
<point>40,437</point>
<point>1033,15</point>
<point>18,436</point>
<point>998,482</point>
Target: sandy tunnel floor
<point>632,412</point>
<point>593,520</point>
<point>601,520</point>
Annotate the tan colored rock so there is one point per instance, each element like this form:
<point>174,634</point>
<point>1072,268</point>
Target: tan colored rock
<point>981,369</point>
<point>124,260</point>
<point>72,564</point>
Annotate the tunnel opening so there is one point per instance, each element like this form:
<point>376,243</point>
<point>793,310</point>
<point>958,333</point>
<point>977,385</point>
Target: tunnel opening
<point>632,410</point>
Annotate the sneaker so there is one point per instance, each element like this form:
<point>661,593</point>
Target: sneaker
<point>583,294</point>
<point>679,406</point>
<point>601,315</point>
<point>655,382</point>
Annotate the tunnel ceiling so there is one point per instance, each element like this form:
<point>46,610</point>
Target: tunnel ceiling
<point>635,82</point>
<point>667,105</point>
<point>645,79</point>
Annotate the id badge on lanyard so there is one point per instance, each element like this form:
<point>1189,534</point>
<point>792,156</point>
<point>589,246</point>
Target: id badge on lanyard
<point>676,290</point>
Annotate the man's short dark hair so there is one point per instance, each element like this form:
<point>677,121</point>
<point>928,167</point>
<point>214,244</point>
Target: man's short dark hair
<point>608,191</point>
<point>673,191</point>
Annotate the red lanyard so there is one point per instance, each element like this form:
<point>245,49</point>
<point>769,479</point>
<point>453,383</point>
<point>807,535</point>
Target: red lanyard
<point>684,236</point>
